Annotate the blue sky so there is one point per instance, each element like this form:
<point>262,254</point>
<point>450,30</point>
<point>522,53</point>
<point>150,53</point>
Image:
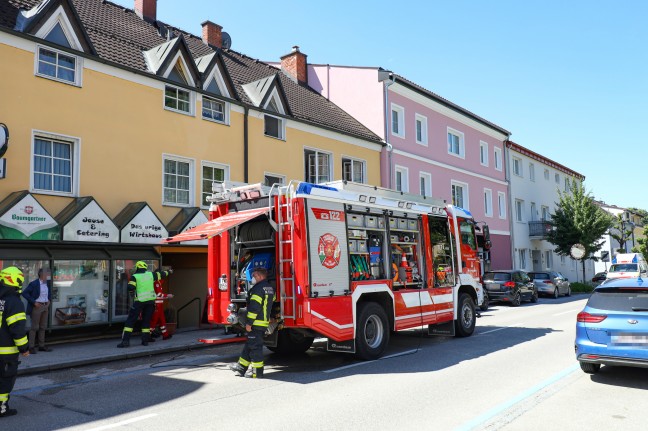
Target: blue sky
<point>569,80</point>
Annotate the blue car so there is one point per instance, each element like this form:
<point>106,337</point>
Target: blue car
<point>612,329</point>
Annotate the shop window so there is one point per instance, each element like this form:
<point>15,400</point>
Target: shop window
<point>122,301</point>
<point>80,292</point>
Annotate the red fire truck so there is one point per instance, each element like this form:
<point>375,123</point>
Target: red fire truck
<point>350,263</point>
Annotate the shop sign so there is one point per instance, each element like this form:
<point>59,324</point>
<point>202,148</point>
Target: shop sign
<point>197,220</point>
<point>144,228</point>
<point>28,220</point>
<point>91,224</point>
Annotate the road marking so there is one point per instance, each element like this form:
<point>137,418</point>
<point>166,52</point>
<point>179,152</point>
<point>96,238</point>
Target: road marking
<point>126,422</point>
<point>567,312</point>
<point>514,325</point>
<point>357,364</point>
<point>481,419</point>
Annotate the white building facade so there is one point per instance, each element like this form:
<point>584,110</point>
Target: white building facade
<point>535,181</point>
<point>631,222</point>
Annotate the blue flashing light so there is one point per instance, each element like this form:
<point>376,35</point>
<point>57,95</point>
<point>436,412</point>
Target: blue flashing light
<point>306,188</point>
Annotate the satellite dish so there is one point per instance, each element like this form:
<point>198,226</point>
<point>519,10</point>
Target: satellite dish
<point>227,40</point>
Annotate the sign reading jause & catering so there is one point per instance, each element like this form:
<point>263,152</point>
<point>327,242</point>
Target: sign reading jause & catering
<point>91,224</point>
<point>27,219</point>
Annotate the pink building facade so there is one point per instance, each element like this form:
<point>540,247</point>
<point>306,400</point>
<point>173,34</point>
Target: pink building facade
<point>434,147</point>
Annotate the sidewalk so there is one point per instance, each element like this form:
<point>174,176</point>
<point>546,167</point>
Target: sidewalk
<point>74,354</point>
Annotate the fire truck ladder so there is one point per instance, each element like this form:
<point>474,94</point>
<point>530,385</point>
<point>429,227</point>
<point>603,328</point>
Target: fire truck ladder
<point>285,228</point>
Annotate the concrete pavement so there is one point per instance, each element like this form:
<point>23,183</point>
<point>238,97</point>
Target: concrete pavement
<point>67,355</point>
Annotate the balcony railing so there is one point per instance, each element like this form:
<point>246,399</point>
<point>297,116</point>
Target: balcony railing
<point>539,229</point>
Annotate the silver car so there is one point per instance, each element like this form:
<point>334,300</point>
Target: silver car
<point>551,283</point>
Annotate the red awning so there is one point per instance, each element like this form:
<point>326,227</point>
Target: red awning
<point>217,226</point>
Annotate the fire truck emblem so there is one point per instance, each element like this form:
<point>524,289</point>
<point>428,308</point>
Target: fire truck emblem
<point>329,250</point>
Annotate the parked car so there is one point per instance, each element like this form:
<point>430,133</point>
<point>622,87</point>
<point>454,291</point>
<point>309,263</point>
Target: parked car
<point>599,278</point>
<point>551,283</point>
<point>612,329</point>
<point>512,286</point>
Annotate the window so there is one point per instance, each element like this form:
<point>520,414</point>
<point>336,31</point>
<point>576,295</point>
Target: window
<point>488,202</point>
<point>177,181</point>
<point>519,210</point>
<point>58,65</point>
<point>548,259</point>
<point>318,166</point>
<point>455,143</point>
<point>567,188</point>
<point>177,99</point>
<point>531,171</point>
<point>273,126</point>
<point>271,179</point>
<point>397,120</point>
<point>425,184</point>
<point>545,213</point>
<point>501,205</point>
<point>421,130</point>
<point>546,174</point>
<point>459,194</point>
<point>213,109</point>
<point>211,173</point>
<point>402,179</point>
<point>353,170</point>
<point>483,153</point>
<point>498,158</point>
<point>534,210</point>
<point>54,165</point>
<point>522,257</point>
<point>557,178</point>
<point>517,166</point>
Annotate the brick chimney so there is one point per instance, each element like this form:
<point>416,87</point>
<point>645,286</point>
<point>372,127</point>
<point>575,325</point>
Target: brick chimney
<point>146,9</point>
<point>212,34</point>
<point>295,65</point>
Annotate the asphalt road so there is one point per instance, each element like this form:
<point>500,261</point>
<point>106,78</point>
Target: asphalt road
<point>517,372</point>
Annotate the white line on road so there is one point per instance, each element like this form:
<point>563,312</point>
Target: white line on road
<point>126,422</point>
<point>567,312</point>
<point>515,325</point>
<point>357,364</point>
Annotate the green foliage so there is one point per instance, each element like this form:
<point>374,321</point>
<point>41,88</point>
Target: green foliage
<point>578,220</point>
<point>642,246</point>
<point>581,287</point>
<point>621,231</point>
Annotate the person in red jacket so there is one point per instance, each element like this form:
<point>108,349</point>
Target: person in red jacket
<point>13,334</point>
<point>158,321</point>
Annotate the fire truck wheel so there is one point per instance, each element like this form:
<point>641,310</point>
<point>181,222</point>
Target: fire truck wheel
<point>372,333</point>
<point>291,343</point>
<point>466,316</point>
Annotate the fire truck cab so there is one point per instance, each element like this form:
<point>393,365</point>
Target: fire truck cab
<point>349,262</point>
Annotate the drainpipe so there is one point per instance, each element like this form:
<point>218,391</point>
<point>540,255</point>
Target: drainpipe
<point>246,160</point>
<point>388,79</point>
<point>509,210</point>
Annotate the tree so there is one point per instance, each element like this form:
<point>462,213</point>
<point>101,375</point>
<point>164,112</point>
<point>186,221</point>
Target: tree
<point>578,220</point>
<point>623,232</point>
<point>642,246</point>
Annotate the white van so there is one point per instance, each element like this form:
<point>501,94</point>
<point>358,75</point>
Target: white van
<point>627,265</point>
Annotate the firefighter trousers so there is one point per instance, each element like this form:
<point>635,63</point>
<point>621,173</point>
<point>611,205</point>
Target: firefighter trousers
<point>146,309</point>
<point>253,350</point>
<point>8,373</point>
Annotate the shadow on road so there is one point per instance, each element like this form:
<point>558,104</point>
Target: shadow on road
<point>625,377</point>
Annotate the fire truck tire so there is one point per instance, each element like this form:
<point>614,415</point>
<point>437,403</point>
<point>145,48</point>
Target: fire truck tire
<point>372,333</point>
<point>486,302</point>
<point>466,316</point>
<point>291,343</point>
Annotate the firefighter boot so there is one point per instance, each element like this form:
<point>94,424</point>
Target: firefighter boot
<point>146,337</point>
<point>254,373</point>
<point>237,368</point>
<point>125,340</point>
<point>5,410</point>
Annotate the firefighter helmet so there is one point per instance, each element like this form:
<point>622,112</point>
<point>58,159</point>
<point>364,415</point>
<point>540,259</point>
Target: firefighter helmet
<point>141,265</point>
<point>12,276</point>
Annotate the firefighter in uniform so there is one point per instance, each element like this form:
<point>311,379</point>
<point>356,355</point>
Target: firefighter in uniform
<point>259,307</point>
<point>141,283</point>
<point>13,333</point>
<point>158,318</point>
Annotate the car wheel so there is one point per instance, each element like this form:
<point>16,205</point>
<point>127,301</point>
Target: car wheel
<point>485,303</point>
<point>556,293</point>
<point>569,291</point>
<point>590,368</point>
<point>517,299</point>
<point>534,296</point>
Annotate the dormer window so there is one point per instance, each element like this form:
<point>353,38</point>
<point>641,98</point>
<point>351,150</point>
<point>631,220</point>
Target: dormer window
<point>274,126</point>
<point>57,65</point>
<point>176,98</point>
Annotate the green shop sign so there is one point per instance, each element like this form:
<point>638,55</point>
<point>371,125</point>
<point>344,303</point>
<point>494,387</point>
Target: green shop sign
<point>22,217</point>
